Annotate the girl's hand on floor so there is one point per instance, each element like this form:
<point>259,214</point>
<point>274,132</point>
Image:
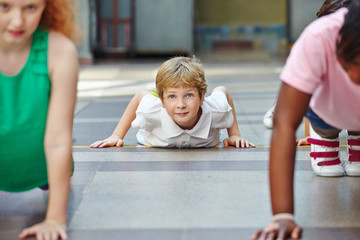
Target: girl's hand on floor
<point>302,142</point>
<point>46,230</point>
<point>279,230</point>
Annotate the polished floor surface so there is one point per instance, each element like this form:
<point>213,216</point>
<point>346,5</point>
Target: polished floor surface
<point>135,192</point>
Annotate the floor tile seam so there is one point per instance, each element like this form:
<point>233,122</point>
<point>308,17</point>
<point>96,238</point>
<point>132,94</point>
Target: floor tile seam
<point>241,113</point>
<point>184,166</point>
<point>82,109</point>
<point>242,161</point>
<point>265,170</point>
<point>211,229</point>
<point>135,150</point>
<point>120,85</point>
<point>87,149</point>
<point>88,185</point>
<point>257,148</point>
<point>245,122</point>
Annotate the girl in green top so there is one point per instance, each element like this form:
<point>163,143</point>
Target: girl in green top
<point>38,78</point>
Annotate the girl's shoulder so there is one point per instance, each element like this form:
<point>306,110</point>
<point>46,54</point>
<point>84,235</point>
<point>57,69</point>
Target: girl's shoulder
<point>61,50</point>
<point>60,44</point>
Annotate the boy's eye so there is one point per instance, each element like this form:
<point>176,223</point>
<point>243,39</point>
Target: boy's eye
<point>171,96</point>
<point>189,95</point>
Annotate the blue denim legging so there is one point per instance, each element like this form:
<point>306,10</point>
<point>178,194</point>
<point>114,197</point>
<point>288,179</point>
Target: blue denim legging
<point>316,121</point>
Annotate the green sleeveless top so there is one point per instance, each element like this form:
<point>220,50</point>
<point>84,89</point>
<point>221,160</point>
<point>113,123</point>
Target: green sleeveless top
<point>24,100</point>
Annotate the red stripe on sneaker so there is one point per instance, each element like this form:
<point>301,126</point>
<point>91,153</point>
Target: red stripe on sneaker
<point>354,158</point>
<point>323,142</point>
<point>329,163</point>
<point>354,142</point>
<point>324,154</point>
<point>354,152</point>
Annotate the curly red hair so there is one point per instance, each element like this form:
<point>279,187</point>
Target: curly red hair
<point>59,16</point>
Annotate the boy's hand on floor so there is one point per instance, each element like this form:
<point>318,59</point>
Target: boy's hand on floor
<point>108,142</point>
<point>237,141</point>
<point>48,229</point>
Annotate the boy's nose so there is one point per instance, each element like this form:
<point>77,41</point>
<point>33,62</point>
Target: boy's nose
<point>181,103</point>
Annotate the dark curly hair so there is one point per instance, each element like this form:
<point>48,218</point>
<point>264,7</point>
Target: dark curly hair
<point>330,6</point>
<point>348,45</point>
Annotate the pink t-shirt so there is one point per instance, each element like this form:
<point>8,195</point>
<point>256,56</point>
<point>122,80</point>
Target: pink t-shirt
<point>312,68</point>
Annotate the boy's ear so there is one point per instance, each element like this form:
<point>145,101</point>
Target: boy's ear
<point>202,99</point>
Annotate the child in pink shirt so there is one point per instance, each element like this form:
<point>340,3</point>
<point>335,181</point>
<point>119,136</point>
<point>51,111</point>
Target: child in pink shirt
<point>321,80</point>
<point>314,68</point>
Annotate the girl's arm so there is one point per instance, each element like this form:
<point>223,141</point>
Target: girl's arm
<point>235,138</point>
<point>290,109</point>
<point>116,139</point>
<point>63,70</point>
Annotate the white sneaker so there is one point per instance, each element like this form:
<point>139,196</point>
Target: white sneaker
<point>325,156</point>
<point>352,165</point>
<point>268,118</point>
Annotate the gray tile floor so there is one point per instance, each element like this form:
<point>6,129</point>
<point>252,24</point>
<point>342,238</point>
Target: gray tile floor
<point>137,193</point>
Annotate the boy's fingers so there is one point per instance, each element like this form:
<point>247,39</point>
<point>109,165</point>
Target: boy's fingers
<point>95,144</point>
<point>243,143</point>
<point>119,143</point>
<point>104,144</point>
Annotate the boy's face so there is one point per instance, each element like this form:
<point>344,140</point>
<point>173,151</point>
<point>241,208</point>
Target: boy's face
<point>183,105</point>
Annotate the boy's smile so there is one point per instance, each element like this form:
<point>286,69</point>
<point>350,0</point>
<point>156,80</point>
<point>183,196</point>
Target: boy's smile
<point>183,105</point>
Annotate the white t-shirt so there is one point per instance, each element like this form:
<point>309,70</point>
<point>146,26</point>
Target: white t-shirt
<point>158,129</point>
<point>313,68</point>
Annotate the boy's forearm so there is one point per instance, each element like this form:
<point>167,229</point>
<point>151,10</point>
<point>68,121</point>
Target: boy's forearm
<point>125,122</point>
<point>234,129</point>
<point>128,116</point>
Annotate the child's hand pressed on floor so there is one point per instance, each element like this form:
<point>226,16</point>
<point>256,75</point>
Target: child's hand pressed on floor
<point>237,141</point>
<point>302,142</point>
<point>111,141</point>
<point>48,229</point>
<point>279,230</point>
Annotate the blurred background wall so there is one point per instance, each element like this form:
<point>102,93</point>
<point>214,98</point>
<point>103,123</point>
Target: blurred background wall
<point>130,28</point>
